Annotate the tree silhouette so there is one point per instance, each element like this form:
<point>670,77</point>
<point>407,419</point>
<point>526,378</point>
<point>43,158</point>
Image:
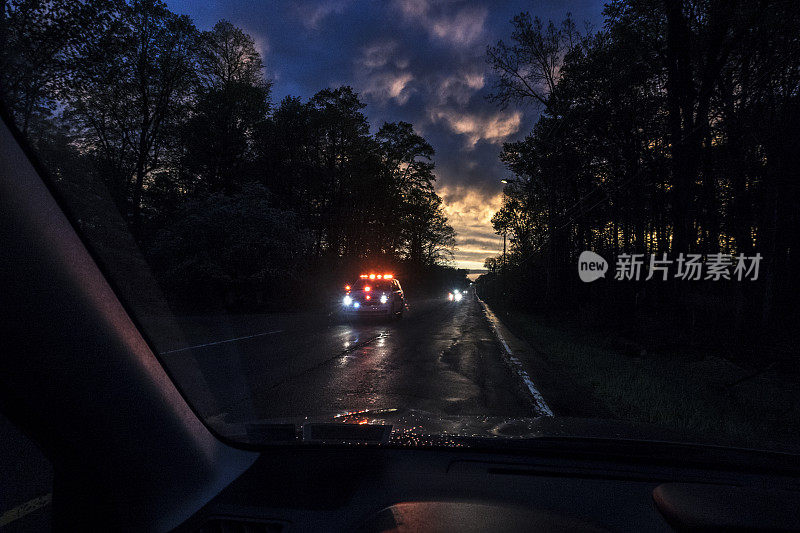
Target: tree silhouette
<point>666,131</point>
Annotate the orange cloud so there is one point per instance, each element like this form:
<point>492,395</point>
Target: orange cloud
<point>389,85</point>
<point>463,28</point>
<point>459,87</point>
<point>494,128</point>
<point>470,212</point>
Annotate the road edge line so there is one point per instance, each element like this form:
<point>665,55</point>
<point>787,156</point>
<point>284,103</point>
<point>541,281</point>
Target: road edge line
<point>514,363</point>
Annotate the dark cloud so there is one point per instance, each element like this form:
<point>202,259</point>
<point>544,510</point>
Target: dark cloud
<point>421,61</point>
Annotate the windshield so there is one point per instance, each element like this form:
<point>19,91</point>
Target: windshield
<point>592,207</point>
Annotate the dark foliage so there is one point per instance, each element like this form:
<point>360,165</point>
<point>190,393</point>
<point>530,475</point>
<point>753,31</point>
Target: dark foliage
<point>232,202</point>
<point>672,129</point>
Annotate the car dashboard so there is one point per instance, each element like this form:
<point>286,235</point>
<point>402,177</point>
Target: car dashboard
<point>395,489</point>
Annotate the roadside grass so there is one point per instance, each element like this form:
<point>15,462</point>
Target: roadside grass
<point>696,395</point>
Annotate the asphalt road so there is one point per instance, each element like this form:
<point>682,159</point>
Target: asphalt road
<point>441,357</point>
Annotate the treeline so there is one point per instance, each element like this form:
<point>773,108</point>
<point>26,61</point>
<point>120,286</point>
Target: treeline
<point>232,199</point>
<point>673,129</point>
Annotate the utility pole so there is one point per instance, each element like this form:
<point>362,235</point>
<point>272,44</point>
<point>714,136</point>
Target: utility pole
<point>504,181</point>
<point>505,230</point>
<point>503,268</point>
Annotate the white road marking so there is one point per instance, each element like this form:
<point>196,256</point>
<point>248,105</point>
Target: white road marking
<point>26,508</point>
<point>516,365</point>
<point>222,342</point>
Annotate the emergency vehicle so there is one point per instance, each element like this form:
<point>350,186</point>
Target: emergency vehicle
<point>374,295</point>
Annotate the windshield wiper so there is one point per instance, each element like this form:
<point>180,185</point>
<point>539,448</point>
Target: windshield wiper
<point>318,432</point>
<point>338,432</point>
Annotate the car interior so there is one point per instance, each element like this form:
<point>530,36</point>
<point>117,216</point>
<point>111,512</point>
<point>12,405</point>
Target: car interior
<point>400,266</point>
<point>79,377</point>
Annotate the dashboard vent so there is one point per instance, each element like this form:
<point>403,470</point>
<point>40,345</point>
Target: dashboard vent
<point>242,525</point>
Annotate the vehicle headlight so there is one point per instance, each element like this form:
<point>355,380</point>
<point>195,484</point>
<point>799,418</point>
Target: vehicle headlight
<point>384,299</point>
<point>347,300</point>
<point>458,296</point>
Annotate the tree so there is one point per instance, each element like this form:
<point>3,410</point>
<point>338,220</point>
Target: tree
<point>288,157</point>
<point>228,56</point>
<point>429,239</point>
<point>407,163</point>
<point>670,130</point>
<point>231,248</point>
<point>367,197</point>
<point>175,126</point>
<point>37,41</point>
<point>344,154</point>
<point>127,94</point>
<point>699,39</point>
<point>230,112</point>
<point>527,71</point>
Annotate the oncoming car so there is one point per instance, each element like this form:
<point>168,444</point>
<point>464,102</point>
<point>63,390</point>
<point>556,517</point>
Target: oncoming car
<point>374,295</point>
<point>456,295</point>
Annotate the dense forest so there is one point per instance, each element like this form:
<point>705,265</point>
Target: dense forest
<point>233,200</point>
<point>674,128</point>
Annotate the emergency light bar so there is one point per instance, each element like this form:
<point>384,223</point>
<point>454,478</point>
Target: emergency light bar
<point>378,276</point>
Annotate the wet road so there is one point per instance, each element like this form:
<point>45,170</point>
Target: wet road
<point>441,357</point>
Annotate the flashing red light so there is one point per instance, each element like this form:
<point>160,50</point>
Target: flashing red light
<point>347,287</point>
<point>372,276</point>
<point>367,297</point>
<point>367,288</point>
<point>363,276</point>
<point>387,276</point>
